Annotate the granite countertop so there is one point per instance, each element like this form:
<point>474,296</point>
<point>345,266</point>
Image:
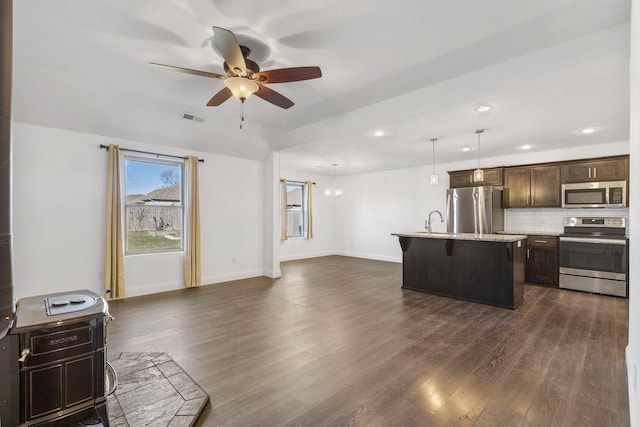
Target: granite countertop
<point>535,233</point>
<point>465,236</point>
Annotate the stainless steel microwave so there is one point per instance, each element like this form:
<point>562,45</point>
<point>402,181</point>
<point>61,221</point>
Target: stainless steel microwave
<point>605,194</point>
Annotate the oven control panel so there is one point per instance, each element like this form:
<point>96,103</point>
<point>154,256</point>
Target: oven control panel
<point>609,222</point>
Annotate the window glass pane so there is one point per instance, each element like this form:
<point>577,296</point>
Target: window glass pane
<point>295,210</point>
<point>294,224</point>
<point>294,196</point>
<point>154,212</point>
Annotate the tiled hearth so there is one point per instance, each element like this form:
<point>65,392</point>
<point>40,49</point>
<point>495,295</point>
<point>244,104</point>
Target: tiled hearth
<point>153,390</point>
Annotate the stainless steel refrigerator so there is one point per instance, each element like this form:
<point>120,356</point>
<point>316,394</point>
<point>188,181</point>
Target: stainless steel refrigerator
<point>475,210</point>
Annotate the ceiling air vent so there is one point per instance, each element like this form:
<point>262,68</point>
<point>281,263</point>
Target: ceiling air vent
<point>189,116</point>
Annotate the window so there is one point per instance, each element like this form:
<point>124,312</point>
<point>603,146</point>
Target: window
<point>154,209</point>
<point>296,210</point>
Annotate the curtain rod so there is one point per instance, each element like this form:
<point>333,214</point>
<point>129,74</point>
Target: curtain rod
<point>106,147</point>
<point>296,182</point>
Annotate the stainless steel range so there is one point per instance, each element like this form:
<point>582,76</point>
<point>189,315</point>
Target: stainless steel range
<point>594,255</point>
<point>61,359</point>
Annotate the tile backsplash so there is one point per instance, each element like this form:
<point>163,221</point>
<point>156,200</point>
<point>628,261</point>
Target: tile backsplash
<point>550,220</point>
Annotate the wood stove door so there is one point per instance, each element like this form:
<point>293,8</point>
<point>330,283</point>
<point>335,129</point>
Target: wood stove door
<point>59,386</point>
<point>64,372</point>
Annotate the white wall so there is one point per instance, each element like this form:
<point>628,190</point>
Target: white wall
<point>377,204</point>
<point>58,214</point>
<point>633,349</point>
<point>271,238</point>
<point>322,243</point>
<point>380,203</point>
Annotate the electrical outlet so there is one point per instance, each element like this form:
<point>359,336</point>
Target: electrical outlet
<point>233,260</point>
<point>100,275</point>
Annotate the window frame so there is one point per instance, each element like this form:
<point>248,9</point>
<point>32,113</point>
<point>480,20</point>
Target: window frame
<point>182,207</point>
<point>303,208</point>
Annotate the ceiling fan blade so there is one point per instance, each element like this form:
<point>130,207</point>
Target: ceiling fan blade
<point>284,75</point>
<point>230,50</point>
<point>220,97</point>
<point>274,97</point>
<point>189,71</point>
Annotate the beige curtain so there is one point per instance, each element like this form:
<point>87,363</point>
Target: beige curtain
<point>309,209</point>
<point>283,184</point>
<point>114,251</point>
<point>192,270</point>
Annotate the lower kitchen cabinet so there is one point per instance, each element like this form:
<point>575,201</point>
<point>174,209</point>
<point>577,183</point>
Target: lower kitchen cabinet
<point>541,264</point>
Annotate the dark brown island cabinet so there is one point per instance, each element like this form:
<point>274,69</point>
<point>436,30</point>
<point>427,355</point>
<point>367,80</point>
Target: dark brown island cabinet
<point>487,268</point>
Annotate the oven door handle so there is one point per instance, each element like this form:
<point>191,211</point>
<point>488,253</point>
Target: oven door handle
<point>596,241</point>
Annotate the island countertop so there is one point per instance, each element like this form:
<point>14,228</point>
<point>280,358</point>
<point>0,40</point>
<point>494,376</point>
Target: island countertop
<point>465,236</point>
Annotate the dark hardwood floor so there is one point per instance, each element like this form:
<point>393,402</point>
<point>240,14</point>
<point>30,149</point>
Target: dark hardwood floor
<point>335,341</point>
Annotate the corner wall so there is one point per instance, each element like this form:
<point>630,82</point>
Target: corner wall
<point>633,349</point>
<point>322,243</point>
<point>58,211</point>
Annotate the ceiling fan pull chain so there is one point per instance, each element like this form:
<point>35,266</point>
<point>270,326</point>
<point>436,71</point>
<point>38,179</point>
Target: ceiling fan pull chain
<point>241,111</point>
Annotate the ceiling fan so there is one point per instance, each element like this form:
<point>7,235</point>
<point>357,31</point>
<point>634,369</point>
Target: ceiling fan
<point>244,77</point>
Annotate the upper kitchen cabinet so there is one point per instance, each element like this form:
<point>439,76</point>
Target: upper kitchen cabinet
<point>611,169</point>
<point>532,187</point>
<point>464,178</point>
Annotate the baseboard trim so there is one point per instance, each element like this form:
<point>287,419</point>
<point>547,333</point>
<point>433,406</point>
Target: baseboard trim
<point>632,373</point>
<point>370,256</point>
<point>157,288</point>
<point>306,256</point>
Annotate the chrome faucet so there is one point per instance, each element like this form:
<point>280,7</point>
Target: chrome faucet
<point>427,223</point>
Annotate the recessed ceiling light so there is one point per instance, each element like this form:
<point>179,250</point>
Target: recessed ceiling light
<point>465,149</point>
<point>587,131</point>
<point>379,133</point>
<point>483,108</point>
<point>525,147</point>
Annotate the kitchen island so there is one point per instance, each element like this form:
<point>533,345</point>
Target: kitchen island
<point>484,268</point>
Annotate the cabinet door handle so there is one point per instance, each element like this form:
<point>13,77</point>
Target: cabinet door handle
<point>527,253</point>
<point>589,172</point>
<point>540,241</point>
<point>594,173</point>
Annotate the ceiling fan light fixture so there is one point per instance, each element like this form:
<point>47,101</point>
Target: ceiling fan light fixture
<point>241,88</point>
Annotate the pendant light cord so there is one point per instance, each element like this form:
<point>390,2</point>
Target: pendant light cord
<point>479,131</point>
<point>433,151</point>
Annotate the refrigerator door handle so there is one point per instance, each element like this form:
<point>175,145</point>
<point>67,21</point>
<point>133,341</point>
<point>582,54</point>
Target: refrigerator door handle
<point>447,213</point>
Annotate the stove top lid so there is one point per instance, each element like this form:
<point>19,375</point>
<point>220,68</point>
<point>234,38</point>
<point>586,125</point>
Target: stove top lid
<point>57,309</point>
<point>68,303</point>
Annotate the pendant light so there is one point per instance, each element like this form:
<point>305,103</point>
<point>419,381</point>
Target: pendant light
<point>478,174</point>
<point>335,192</point>
<point>433,179</point>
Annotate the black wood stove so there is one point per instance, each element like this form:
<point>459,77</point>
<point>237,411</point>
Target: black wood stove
<point>61,359</point>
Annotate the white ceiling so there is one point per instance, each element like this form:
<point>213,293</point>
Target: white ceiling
<point>415,68</point>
